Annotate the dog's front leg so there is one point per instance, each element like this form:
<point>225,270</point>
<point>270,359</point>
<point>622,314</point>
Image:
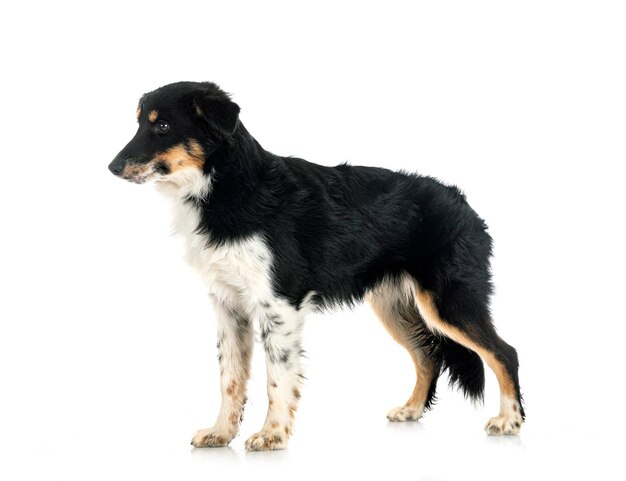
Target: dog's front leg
<point>281,329</point>
<point>234,344</point>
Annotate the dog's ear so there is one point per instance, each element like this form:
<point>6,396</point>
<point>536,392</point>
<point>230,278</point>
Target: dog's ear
<point>215,107</point>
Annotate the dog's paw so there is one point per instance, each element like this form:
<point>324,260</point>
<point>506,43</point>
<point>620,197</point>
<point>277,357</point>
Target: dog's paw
<point>266,441</point>
<point>503,424</point>
<point>210,438</point>
<point>405,413</point>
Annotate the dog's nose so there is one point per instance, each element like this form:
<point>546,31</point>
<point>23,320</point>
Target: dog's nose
<point>116,169</point>
<point>117,166</point>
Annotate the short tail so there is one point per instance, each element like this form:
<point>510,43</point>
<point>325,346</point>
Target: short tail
<point>465,369</point>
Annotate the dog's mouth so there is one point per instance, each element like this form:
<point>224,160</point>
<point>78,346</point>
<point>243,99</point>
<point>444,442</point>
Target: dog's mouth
<point>178,160</point>
<point>141,173</point>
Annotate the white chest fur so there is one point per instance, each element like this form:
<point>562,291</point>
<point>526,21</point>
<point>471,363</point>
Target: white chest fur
<point>238,273</point>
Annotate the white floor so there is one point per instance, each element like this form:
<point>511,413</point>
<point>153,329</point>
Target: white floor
<point>341,442</point>
<point>130,415</point>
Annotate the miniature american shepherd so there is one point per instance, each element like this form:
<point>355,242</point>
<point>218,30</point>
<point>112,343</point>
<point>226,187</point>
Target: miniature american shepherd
<point>275,238</point>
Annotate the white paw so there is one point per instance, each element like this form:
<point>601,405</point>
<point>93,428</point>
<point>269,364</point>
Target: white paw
<point>504,424</point>
<point>405,413</point>
<point>211,438</point>
<point>266,441</point>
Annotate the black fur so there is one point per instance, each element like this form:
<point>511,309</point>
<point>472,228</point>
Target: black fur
<point>336,231</point>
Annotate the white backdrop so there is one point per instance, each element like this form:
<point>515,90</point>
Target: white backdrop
<point>107,357</point>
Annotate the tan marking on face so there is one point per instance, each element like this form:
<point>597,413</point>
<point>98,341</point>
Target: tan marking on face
<point>153,115</point>
<point>274,425</point>
<point>430,314</point>
<point>287,430</point>
<point>181,157</point>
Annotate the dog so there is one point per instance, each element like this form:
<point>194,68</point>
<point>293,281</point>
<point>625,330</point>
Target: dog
<point>275,238</point>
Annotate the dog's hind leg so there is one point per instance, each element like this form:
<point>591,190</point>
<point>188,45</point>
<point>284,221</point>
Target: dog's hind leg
<point>463,316</point>
<point>235,341</point>
<point>403,321</point>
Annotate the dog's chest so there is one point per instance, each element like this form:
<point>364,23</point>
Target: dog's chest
<point>234,271</point>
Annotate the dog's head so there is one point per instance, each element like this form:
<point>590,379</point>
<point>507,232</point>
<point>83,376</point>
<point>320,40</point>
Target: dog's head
<point>180,126</point>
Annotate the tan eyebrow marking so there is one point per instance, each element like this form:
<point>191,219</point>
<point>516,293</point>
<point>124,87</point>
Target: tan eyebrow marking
<point>153,116</point>
<point>182,156</point>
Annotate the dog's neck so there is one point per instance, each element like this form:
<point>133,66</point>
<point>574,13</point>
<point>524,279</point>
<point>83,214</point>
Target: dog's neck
<point>185,184</point>
<point>240,161</point>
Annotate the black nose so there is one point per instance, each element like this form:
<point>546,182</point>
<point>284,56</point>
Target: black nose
<point>117,166</point>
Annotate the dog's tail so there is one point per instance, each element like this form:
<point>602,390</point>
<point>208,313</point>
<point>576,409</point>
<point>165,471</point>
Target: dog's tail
<point>465,369</point>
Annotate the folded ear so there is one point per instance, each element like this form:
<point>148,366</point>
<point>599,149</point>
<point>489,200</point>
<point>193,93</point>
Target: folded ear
<point>215,107</point>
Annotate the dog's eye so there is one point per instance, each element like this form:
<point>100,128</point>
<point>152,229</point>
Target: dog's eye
<point>162,126</point>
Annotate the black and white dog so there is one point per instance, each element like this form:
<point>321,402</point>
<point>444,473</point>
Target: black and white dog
<point>277,237</point>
